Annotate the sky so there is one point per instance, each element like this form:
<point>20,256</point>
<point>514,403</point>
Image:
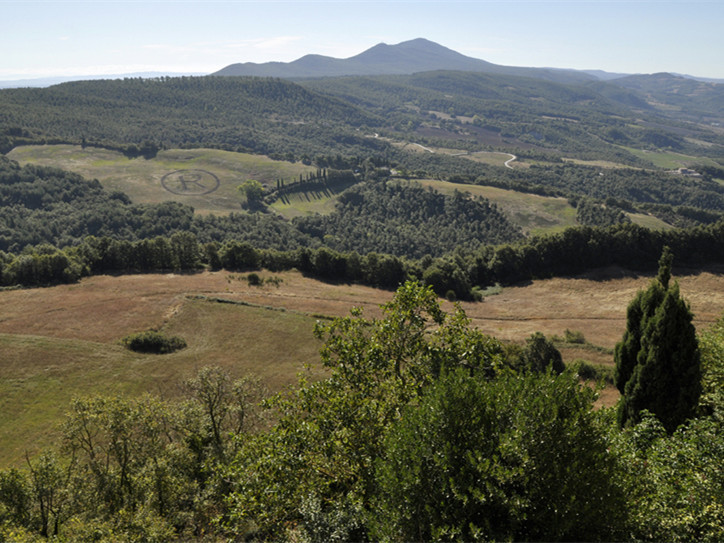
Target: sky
<point>59,38</point>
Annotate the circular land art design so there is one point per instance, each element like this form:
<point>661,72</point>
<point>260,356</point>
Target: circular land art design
<point>190,182</point>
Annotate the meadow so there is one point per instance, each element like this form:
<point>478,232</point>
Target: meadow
<point>671,160</point>
<point>141,178</point>
<point>62,342</point>
<point>309,201</point>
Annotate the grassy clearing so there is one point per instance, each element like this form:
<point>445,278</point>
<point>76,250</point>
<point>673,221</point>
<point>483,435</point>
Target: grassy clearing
<point>599,163</point>
<point>533,213</point>
<point>299,204</point>
<point>41,375</point>
<point>593,304</point>
<point>309,202</point>
<point>649,221</point>
<point>141,179</point>
<point>670,160</point>
<point>76,352</point>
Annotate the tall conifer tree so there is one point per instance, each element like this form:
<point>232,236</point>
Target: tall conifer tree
<point>658,361</point>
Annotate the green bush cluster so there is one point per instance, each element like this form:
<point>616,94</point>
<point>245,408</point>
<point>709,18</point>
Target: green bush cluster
<point>153,342</point>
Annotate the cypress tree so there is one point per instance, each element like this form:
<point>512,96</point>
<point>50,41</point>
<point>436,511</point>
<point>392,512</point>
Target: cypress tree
<point>658,361</point>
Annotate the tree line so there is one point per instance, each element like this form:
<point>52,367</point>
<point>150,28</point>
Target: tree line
<point>459,275</point>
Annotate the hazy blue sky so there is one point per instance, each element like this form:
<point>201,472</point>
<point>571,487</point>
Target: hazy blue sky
<point>52,38</point>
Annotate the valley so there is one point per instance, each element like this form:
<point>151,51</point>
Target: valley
<point>407,295</point>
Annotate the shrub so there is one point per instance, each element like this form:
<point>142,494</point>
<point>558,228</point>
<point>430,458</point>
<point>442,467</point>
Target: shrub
<point>488,291</point>
<point>574,336</point>
<point>153,342</point>
<point>592,372</point>
<point>539,354</point>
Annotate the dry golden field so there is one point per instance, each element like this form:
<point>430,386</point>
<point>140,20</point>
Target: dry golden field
<point>60,342</point>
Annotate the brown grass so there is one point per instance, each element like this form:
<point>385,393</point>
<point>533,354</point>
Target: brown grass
<point>594,304</point>
<point>62,341</point>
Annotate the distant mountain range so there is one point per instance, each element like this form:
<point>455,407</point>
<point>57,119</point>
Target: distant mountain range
<point>418,55</point>
<point>408,57</point>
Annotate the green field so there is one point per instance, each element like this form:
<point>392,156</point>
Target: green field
<point>671,160</point>
<point>649,221</point>
<point>141,179</point>
<point>597,163</point>
<point>308,202</point>
<point>533,213</point>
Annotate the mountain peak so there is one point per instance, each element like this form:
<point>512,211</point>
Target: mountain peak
<point>416,46</point>
<point>407,57</point>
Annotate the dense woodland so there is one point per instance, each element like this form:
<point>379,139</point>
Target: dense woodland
<point>409,221</point>
<point>588,120</point>
<point>265,116</point>
<point>422,428</point>
<point>339,115</point>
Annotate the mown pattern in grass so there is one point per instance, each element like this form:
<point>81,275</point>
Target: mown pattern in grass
<point>140,178</point>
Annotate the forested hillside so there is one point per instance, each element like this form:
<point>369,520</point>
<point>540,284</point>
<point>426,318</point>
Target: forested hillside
<point>262,115</point>
<point>407,220</point>
<point>692,100</point>
<point>593,121</point>
<point>338,115</point>
<point>46,205</point>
